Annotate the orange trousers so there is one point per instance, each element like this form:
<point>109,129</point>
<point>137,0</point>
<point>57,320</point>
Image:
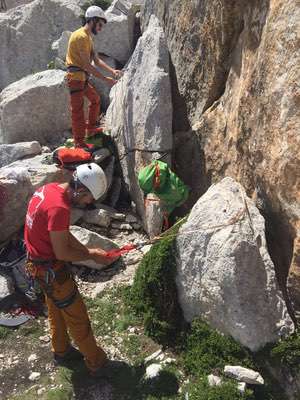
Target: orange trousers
<point>79,90</point>
<point>73,318</point>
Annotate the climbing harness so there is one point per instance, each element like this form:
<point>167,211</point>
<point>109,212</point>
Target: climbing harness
<point>53,271</point>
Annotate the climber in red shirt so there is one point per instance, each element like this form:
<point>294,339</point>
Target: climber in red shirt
<point>50,245</point>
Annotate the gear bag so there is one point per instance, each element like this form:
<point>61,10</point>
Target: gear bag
<point>158,178</point>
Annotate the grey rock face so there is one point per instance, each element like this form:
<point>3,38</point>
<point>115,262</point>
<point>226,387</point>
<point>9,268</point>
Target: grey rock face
<point>27,33</point>
<point>60,46</point>
<point>35,107</point>
<point>116,37</point>
<point>93,240</point>
<point>97,217</point>
<point>224,271</point>
<point>140,113</point>
<point>102,87</point>
<point>13,152</point>
<point>6,286</point>
<point>18,181</point>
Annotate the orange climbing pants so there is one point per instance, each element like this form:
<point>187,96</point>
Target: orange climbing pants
<point>73,318</point>
<point>79,90</point>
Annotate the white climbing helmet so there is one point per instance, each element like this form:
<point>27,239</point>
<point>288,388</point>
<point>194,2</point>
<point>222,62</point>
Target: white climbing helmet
<point>95,11</point>
<point>93,178</point>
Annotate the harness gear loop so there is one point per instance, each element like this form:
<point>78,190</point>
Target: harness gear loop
<point>54,271</point>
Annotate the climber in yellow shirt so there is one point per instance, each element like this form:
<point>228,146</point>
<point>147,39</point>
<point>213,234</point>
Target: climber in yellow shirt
<point>80,55</point>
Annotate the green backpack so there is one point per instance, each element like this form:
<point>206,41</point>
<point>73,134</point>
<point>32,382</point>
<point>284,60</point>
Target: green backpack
<point>157,178</point>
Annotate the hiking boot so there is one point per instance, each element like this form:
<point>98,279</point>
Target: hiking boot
<point>108,370</point>
<point>71,355</point>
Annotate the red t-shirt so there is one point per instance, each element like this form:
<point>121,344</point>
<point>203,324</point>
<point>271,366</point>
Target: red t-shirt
<point>48,210</point>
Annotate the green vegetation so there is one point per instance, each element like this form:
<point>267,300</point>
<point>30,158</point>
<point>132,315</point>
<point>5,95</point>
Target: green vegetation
<point>5,332</point>
<point>200,390</point>
<point>206,349</point>
<point>286,353</point>
<point>154,295</point>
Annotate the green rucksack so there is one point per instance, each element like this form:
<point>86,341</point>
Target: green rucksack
<point>157,178</point>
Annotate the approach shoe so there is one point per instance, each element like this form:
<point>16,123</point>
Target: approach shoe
<point>71,355</point>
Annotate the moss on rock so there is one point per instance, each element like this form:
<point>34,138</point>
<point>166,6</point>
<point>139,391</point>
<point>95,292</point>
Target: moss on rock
<point>154,293</point>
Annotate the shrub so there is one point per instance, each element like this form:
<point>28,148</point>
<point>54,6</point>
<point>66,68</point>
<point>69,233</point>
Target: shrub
<point>206,349</point>
<point>227,391</point>
<point>154,293</point>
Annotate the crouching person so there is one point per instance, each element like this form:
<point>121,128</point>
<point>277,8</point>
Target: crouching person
<point>50,246</point>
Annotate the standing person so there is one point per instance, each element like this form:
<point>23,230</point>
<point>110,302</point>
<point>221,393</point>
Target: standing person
<point>50,246</point>
<point>80,55</point>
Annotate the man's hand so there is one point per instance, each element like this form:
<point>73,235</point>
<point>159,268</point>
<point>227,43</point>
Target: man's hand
<point>117,73</point>
<point>100,256</point>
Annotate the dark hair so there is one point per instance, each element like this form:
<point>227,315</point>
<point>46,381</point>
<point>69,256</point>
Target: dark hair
<point>75,184</point>
<point>93,19</point>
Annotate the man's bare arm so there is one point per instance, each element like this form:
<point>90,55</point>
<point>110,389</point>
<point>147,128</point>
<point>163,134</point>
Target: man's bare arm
<point>88,67</point>
<point>67,248</point>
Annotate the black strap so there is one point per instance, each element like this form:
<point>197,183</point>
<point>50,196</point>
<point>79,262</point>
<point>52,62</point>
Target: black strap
<point>67,301</point>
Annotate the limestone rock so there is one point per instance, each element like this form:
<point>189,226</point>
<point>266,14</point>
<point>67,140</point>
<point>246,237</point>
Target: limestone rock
<point>153,371</point>
<point>27,33</point>
<point>116,38</point>
<point>6,286</point>
<point>244,374</point>
<point>60,46</point>
<point>13,152</point>
<point>235,82</point>
<point>100,155</point>
<point>34,376</point>
<point>102,87</point>
<point>15,3</point>
<point>224,271</point>
<point>97,217</point>
<point>37,107</point>
<point>93,240</point>
<point>140,113</point>
<point>214,380</point>
<point>18,181</point>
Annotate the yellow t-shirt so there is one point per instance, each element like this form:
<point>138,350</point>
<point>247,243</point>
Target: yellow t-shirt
<point>80,41</point>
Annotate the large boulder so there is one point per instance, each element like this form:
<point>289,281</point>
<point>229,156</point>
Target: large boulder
<point>92,240</point>
<point>13,152</point>
<point>224,271</point>
<point>140,113</point>
<point>116,39</point>
<point>236,68</point>
<point>18,181</point>
<point>14,3</point>
<point>27,33</point>
<point>36,107</point>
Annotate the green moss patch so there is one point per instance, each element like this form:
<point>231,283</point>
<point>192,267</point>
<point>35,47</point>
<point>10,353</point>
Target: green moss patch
<point>206,350</point>
<point>154,295</point>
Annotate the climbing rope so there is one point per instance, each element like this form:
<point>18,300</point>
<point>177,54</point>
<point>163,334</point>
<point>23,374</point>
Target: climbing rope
<point>239,216</point>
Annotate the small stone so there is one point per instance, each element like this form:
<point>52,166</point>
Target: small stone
<point>122,227</point>
<point>34,376</point>
<point>45,338</point>
<point>214,380</point>
<point>244,374</point>
<point>242,387</point>
<point>2,355</point>
<point>41,391</point>
<point>132,330</point>
<point>137,226</point>
<point>153,356</point>
<point>32,358</point>
<point>153,371</point>
<point>146,248</point>
<point>130,219</point>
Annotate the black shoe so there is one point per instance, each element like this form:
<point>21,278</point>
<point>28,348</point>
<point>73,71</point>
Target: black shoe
<point>71,355</point>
